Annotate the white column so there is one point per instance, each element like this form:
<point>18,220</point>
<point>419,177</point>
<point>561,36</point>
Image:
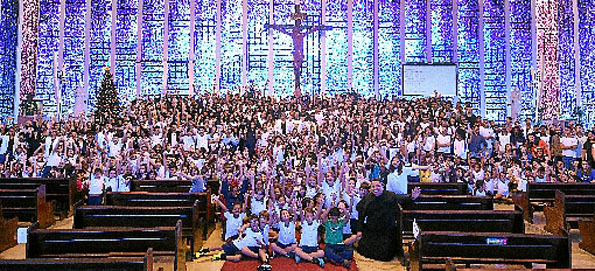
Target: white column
<point>60,67</point>
<point>165,46</point>
<point>113,37</point>
<point>244,44</point>
<point>139,49</point>
<point>481,61</point>
<point>455,31</point>
<point>191,55</point>
<point>270,63</point>
<point>402,7</point>
<point>577,54</point>
<point>87,69</point>
<point>508,66</point>
<point>375,48</point>
<point>534,35</point>
<point>350,44</point>
<point>429,55</point>
<point>17,90</point>
<point>323,73</point>
<point>218,47</point>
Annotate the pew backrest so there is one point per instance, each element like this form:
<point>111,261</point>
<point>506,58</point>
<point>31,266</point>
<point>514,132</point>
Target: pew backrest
<point>450,202</point>
<point>439,188</point>
<point>463,221</point>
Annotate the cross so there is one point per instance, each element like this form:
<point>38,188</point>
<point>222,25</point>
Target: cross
<point>298,41</point>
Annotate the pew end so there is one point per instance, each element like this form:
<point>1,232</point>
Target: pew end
<point>8,231</point>
<point>587,229</point>
<point>522,201</point>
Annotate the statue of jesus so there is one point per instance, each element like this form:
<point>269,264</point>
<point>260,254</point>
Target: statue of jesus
<point>298,42</point>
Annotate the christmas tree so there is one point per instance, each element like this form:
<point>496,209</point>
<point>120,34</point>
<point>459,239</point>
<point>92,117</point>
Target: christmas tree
<point>108,105</point>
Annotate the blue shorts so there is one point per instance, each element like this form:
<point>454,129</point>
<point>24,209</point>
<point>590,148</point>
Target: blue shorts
<point>230,249</point>
<point>308,249</point>
<point>283,246</point>
<point>254,249</point>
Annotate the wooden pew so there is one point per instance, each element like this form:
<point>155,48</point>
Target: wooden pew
<point>463,221</point>
<point>539,194</point>
<point>109,217</point>
<point>450,202</point>
<point>29,205</point>
<point>490,248</point>
<point>439,188</point>
<point>8,231</point>
<point>587,229</point>
<point>182,186</point>
<point>63,191</point>
<point>142,198</point>
<point>567,211</point>
<point>450,266</point>
<point>81,264</point>
<point>205,210</point>
<point>107,243</point>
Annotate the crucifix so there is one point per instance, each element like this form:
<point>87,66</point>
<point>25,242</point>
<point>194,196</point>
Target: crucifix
<point>298,35</point>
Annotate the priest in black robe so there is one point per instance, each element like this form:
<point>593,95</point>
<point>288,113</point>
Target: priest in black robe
<point>378,229</point>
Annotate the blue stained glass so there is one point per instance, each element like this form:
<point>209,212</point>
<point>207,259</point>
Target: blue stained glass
<point>47,53</point>
<point>520,54</point>
<point>468,53</point>
<point>231,44</point>
<point>415,31</point>
<point>204,44</point>
<point>389,50</point>
<point>442,31</point>
<point>495,60</point>
<point>100,42</point>
<point>566,57</point>
<point>587,55</point>
<point>74,52</point>
<point>283,78</point>
<point>8,45</point>
<point>178,46</point>
<point>336,44</point>
<point>363,77</point>
<point>152,47</point>
<point>126,42</point>
<point>258,46</point>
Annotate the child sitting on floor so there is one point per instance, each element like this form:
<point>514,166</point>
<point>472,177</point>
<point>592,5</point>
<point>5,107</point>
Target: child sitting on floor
<point>309,249</point>
<point>335,250</point>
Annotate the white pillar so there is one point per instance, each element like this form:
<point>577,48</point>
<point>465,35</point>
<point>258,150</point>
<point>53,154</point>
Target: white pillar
<point>350,44</point>
<point>165,46</point>
<point>577,54</point>
<point>429,56</point>
<point>87,69</point>
<point>139,49</point>
<point>218,47</point>
<point>534,36</point>
<point>191,55</point>
<point>270,60</point>
<point>402,7</point>
<point>60,67</point>
<point>455,31</point>
<point>17,90</point>
<point>323,72</point>
<point>375,48</point>
<point>481,61</point>
<point>113,37</point>
<point>507,29</point>
<point>244,44</point>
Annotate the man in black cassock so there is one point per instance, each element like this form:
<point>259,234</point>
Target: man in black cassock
<point>378,213</point>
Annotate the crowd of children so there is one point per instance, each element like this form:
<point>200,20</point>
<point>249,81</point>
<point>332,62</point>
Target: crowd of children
<point>293,170</point>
